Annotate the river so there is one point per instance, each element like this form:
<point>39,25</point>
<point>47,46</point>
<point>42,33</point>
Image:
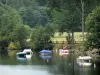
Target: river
<point>58,65</point>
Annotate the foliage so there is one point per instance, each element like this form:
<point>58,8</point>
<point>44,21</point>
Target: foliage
<point>20,3</point>
<point>17,16</point>
<point>9,17</point>
<point>20,34</point>
<point>11,46</point>
<point>33,16</point>
<point>41,37</point>
<point>93,28</point>
<point>70,12</point>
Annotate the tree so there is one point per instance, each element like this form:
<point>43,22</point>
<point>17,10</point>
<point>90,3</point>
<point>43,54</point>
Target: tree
<point>67,22</point>
<point>41,37</point>
<point>9,17</point>
<point>72,13</point>
<point>29,11</point>
<point>20,34</point>
<point>19,3</point>
<point>33,16</point>
<point>93,28</point>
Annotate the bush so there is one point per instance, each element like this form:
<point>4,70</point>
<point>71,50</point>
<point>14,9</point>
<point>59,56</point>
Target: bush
<point>11,46</point>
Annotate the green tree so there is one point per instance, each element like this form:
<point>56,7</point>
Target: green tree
<point>9,17</point>
<point>33,17</point>
<point>71,12</point>
<point>41,37</point>
<point>29,10</point>
<point>19,3</point>
<point>20,34</point>
<point>93,28</point>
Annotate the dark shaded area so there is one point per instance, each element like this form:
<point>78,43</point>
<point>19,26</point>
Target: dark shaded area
<point>3,46</point>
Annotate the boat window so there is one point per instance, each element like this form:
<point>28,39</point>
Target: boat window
<point>28,53</point>
<point>86,60</point>
<point>22,55</point>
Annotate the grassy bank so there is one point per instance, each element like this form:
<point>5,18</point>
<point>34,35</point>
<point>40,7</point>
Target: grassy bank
<point>61,39</point>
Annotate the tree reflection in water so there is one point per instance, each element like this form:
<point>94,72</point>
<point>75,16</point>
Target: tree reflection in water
<point>63,66</point>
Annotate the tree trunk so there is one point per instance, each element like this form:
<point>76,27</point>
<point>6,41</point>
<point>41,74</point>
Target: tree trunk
<point>72,38</point>
<point>82,3</point>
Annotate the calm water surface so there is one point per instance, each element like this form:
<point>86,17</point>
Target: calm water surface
<point>36,66</point>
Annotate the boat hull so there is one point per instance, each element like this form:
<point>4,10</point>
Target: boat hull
<point>85,64</point>
<point>28,56</point>
<point>18,58</point>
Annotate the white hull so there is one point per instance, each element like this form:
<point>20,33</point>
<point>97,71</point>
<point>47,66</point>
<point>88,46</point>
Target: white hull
<point>85,64</point>
<point>28,56</point>
<point>84,60</point>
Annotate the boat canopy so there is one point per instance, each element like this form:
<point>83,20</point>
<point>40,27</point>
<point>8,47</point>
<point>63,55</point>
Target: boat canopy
<point>20,53</point>
<point>45,51</point>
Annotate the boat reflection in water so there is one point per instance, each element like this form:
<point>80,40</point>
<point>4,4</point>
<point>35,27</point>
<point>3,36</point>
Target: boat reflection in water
<point>45,55</point>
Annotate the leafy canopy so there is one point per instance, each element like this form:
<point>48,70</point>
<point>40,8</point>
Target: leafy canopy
<point>93,28</point>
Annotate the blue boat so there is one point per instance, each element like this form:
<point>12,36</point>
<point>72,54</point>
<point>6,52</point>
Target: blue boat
<point>45,51</point>
<point>21,55</point>
<point>45,54</point>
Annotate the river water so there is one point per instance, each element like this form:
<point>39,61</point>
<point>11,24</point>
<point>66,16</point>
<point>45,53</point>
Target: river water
<point>57,65</point>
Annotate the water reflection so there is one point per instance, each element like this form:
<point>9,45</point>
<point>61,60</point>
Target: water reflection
<point>63,66</point>
<point>46,59</point>
<point>45,65</point>
<point>20,70</point>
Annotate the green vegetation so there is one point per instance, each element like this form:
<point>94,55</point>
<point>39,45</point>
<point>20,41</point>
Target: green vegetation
<point>93,29</point>
<point>11,46</point>
<point>46,21</point>
<point>41,37</point>
<point>62,37</point>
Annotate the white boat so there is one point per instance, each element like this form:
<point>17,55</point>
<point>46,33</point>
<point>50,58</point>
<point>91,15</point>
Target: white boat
<point>28,52</point>
<point>21,56</point>
<point>84,60</point>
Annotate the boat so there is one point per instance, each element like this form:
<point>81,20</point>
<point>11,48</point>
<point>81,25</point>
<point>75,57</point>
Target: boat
<point>46,55</point>
<point>21,55</point>
<point>45,52</point>
<point>63,52</point>
<point>84,60</point>
<point>28,52</point>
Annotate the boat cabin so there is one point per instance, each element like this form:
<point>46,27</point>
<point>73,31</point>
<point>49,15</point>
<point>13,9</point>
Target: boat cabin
<point>21,55</point>
<point>84,60</point>
<point>28,52</point>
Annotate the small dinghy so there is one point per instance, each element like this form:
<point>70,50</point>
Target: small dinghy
<point>84,60</point>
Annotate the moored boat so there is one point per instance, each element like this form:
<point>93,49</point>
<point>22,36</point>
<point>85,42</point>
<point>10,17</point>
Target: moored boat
<point>84,60</point>
<point>28,52</point>
<point>45,52</point>
<point>45,55</point>
<point>21,55</point>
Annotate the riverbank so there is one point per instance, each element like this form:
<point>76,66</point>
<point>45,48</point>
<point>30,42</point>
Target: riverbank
<point>93,53</point>
<point>78,49</point>
<point>59,40</point>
